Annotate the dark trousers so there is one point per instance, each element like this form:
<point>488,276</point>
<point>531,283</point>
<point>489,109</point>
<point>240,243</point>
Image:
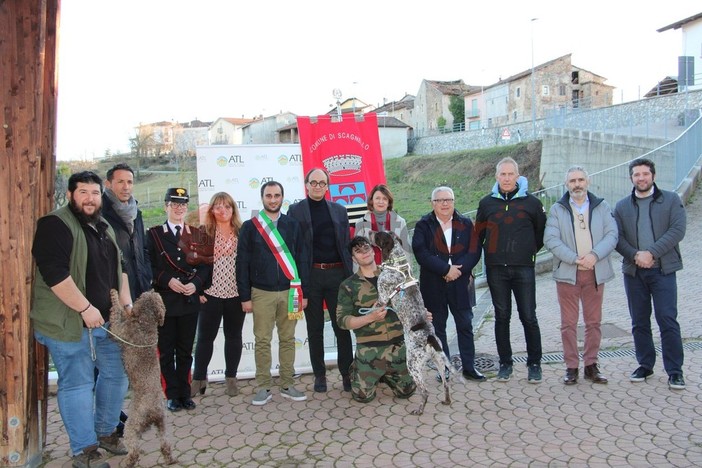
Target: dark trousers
<point>462,315</point>
<point>520,280</point>
<point>175,347</point>
<point>215,311</point>
<point>324,287</point>
<point>651,284</point>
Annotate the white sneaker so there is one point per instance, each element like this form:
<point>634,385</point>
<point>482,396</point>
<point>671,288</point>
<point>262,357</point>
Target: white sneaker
<point>292,394</point>
<point>262,397</point>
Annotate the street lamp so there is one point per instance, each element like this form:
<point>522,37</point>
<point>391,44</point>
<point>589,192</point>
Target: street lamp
<point>533,85</point>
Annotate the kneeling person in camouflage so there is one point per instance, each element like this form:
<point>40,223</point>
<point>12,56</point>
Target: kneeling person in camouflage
<point>380,347</point>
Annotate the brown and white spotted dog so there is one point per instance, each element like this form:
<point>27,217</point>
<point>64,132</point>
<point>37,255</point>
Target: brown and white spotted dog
<point>400,291</point>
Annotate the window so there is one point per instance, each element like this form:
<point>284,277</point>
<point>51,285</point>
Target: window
<point>474,125</point>
<point>561,90</point>
<point>474,108</point>
<point>514,116</point>
<point>519,91</point>
<point>544,90</point>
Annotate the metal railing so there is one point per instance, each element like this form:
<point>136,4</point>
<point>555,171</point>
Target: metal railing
<point>674,160</point>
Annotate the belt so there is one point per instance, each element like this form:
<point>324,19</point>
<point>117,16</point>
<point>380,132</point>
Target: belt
<point>327,266</point>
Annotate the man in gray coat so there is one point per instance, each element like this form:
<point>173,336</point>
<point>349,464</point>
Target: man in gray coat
<point>652,224</point>
<point>581,234</point>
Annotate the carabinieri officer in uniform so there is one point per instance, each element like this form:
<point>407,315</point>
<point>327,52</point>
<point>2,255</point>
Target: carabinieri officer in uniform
<point>180,286</point>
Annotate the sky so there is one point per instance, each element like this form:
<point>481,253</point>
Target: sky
<point>122,63</point>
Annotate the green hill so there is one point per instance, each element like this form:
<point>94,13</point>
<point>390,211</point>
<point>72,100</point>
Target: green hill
<point>471,174</point>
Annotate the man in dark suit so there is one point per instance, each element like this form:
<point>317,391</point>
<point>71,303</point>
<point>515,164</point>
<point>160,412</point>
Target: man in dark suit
<point>325,227</point>
<point>446,252</point>
<point>180,286</point>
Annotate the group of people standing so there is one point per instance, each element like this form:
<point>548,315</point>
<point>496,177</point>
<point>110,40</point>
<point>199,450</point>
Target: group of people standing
<point>278,267</point>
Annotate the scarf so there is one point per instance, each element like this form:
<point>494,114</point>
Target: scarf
<point>126,211</point>
<point>285,260</point>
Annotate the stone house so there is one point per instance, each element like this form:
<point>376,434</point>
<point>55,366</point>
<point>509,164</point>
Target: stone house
<point>556,84</point>
<point>432,104</point>
<point>402,110</point>
<point>264,130</point>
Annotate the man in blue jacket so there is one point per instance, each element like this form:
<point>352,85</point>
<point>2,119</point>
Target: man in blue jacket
<point>510,223</point>
<point>581,234</point>
<point>651,226</point>
<point>446,251</point>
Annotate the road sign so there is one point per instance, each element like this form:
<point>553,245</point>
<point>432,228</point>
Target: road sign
<point>506,135</point>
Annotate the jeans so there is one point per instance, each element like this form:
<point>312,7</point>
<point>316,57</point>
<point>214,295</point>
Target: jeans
<point>216,310</point>
<point>324,287</point>
<point>520,280</point>
<point>89,408</point>
<point>650,284</point>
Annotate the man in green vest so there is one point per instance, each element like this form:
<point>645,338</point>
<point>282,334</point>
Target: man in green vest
<point>78,263</point>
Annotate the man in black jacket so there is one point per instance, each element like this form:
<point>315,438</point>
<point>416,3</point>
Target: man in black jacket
<point>121,210</point>
<point>511,223</point>
<point>271,269</point>
<point>325,227</point>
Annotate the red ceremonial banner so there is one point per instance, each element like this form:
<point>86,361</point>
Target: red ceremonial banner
<point>349,149</point>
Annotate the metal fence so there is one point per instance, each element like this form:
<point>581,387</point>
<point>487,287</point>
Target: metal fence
<point>673,160</point>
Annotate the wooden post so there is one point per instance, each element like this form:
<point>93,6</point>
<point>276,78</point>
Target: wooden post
<point>28,83</point>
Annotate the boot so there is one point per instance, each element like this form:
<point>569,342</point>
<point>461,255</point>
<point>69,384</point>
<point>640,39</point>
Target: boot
<point>232,386</point>
<point>197,386</point>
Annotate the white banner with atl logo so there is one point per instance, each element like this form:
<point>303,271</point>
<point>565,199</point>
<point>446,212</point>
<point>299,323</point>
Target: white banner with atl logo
<point>240,170</point>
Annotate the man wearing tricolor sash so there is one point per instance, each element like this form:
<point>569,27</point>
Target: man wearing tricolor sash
<point>271,274</point>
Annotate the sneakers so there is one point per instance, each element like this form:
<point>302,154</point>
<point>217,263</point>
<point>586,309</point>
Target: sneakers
<point>676,382</point>
<point>292,394</point>
<point>534,373</point>
<point>262,397</point>
<point>640,374</point>
<point>504,373</point>
<point>113,444</point>
<point>88,458</point>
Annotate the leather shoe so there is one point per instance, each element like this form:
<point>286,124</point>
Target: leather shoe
<point>320,384</point>
<point>187,403</point>
<point>592,372</point>
<point>474,375</point>
<point>347,382</point>
<point>174,405</point>
<point>571,376</point>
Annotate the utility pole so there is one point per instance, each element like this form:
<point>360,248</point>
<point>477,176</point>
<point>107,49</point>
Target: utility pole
<point>533,85</point>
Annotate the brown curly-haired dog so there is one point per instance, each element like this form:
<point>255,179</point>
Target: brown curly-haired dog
<point>137,333</point>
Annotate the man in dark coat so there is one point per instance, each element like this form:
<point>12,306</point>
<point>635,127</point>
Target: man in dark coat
<point>121,210</point>
<point>444,247</point>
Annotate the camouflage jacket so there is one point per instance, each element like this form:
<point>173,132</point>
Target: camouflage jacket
<point>356,292</point>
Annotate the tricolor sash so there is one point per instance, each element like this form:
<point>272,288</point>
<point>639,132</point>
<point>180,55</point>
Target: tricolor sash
<point>285,260</point>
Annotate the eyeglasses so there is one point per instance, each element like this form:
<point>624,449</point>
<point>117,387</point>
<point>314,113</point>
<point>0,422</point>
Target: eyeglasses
<point>443,201</point>
<point>315,183</point>
<point>361,249</point>
<point>581,218</point>
<point>177,205</point>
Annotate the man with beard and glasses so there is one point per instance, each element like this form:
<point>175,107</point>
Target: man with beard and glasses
<point>78,263</point>
<point>271,274</point>
<point>651,225</point>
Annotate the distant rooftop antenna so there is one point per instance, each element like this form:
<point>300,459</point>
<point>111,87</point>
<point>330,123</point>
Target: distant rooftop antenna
<point>337,95</point>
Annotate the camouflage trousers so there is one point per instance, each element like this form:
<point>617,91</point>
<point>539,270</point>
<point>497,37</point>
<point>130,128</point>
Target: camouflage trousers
<point>385,363</point>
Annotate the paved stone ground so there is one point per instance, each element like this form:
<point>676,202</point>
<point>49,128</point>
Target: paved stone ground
<point>488,424</point>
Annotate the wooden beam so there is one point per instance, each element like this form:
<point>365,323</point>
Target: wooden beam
<point>28,83</point>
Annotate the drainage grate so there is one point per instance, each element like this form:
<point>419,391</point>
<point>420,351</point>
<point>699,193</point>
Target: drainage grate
<point>617,353</point>
<point>490,363</point>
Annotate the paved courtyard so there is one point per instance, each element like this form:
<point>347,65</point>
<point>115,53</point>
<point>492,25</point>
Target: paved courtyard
<point>488,424</point>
